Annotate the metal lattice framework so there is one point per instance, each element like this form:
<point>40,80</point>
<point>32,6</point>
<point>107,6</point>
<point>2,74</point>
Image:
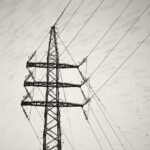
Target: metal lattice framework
<point>52,103</point>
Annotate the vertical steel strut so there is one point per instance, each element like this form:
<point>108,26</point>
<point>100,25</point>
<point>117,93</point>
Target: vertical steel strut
<point>50,134</point>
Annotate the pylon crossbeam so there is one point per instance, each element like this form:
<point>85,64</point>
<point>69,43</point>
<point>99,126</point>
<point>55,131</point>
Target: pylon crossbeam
<point>50,65</point>
<point>50,104</point>
<point>51,84</point>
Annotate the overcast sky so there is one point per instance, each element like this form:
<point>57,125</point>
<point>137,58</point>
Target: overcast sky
<point>24,24</point>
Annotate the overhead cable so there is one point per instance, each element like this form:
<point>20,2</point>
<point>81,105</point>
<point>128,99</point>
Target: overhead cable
<point>85,23</point>
<point>118,42</point>
<point>120,66</point>
<point>71,17</point>
<point>100,40</point>
<point>62,12</point>
<point>101,128</point>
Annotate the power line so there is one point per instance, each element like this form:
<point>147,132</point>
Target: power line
<point>91,87</point>
<point>107,119</point>
<point>99,41</point>
<point>101,128</point>
<point>117,71</point>
<point>72,16</point>
<point>95,135</point>
<point>89,18</point>
<point>104,109</point>
<point>67,112</point>
<point>128,57</point>
<point>31,125</point>
<point>96,92</point>
<point>129,28</point>
<point>86,22</point>
<point>54,24</point>
<point>118,138</point>
<point>118,42</point>
<point>93,92</point>
<point>62,12</point>
<point>48,32</point>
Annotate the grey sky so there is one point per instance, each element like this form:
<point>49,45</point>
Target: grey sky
<point>23,25</point>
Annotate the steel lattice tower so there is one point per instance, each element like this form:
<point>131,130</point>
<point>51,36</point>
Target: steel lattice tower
<point>52,103</point>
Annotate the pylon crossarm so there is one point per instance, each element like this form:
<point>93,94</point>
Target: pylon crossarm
<point>50,65</point>
<point>50,104</point>
<point>51,84</point>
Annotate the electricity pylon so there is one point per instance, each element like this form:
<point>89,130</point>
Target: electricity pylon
<point>52,103</point>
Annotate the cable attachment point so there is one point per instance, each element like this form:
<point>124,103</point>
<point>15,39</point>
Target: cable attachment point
<point>25,113</point>
<point>84,81</point>
<point>87,101</point>
<point>85,114</point>
<point>32,56</point>
<point>83,61</point>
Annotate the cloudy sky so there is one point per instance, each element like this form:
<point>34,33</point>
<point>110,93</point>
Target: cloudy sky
<point>119,27</point>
